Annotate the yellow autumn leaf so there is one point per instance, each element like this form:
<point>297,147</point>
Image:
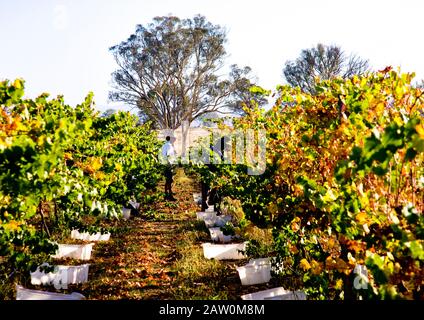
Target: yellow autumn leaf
<point>68,156</point>
<point>304,264</point>
<point>299,99</point>
<point>362,217</point>
<point>18,84</point>
<point>96,163</point>
<point>331,243</point>
<point>293,249</point>
<point>6,200</point>
<point>296,219</point>
<point>330,262</point>
<point>398,120</point>
<point>316,267</point>
<point>3,144</point>
<point>380,108</point>
<point>12,225</point>
<point>337,264</point>
<point>295,226</point>
<point>41,140</point>
<point>420,130</point>
<point>297,190</point>
<point>339,284</point>
<point>100,175</point>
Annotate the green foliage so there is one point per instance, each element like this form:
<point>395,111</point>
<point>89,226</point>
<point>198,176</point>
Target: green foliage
<point>343,185</point>
<point>228,229</point>
<point>61,167</point>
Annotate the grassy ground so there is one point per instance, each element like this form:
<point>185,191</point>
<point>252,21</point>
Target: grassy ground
<point>161,257</point>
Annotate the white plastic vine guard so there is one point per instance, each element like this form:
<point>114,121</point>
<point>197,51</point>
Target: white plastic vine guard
<point>275,267</point>
<point>126,213</point>
<point>275,294</point>
<point>214,232</point>
<point>197,197</point>
<point>135,204</point>
<point>260,261</point>
<point>292,295</point>
<point>74,251</point>
<point>61,276</point>
<point>217,221</point>
<point>255,272</point>
<point>218,236</point>
<point>224,251</point>
<point>75,234</point>
<point>210,209</point>
<point>205,215</point>
<point>225,239</point>
<point>29,294</point>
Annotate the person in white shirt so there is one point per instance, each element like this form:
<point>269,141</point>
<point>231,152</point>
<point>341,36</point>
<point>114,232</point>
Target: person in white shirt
<point>168,154</point>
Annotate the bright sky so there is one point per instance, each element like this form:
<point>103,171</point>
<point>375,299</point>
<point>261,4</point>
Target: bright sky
<point>61,46</point>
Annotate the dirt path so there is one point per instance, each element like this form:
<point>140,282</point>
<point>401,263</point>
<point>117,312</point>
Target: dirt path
<point>138,262</point>
<point>162,258</point>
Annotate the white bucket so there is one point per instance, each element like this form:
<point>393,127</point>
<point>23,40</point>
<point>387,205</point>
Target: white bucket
<point>217,221</point>
<point>260,261</point>
<point>126,213</point>
<point>222,220</point>
<point>205,215</point>
<point>136,205</point>
<point>74,251</point>
<point>275,294</point>
<point>210,222</point>
<point>197,197</point>
<point>28,294</point>
<point>61,276</point>
<point>224,251</point>
<point>292,295</point>
<point>276,268</point>
<point>225,239</point>
<point>218,236</point>
<point>214,232</point>
<point>75,234</point>
<point>254,273</point>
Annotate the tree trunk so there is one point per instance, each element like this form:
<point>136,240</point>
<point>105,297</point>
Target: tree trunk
<point>185,126</point>
<point>43,221</point>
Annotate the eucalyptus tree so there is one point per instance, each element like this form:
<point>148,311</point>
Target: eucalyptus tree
<point>325,62</point>
<point>172,70</point>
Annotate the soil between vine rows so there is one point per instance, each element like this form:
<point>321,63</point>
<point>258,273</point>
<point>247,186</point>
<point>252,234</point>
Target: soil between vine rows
<point>161,258</point>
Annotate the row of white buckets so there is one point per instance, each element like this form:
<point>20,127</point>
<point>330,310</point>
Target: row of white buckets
<point>223,250</point>
<point>60,276</point>
<point>257,271</point>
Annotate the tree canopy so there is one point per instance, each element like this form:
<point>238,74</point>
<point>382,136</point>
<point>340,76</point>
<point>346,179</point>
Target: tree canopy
<point>325,62</point>
<point>169,69</point>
